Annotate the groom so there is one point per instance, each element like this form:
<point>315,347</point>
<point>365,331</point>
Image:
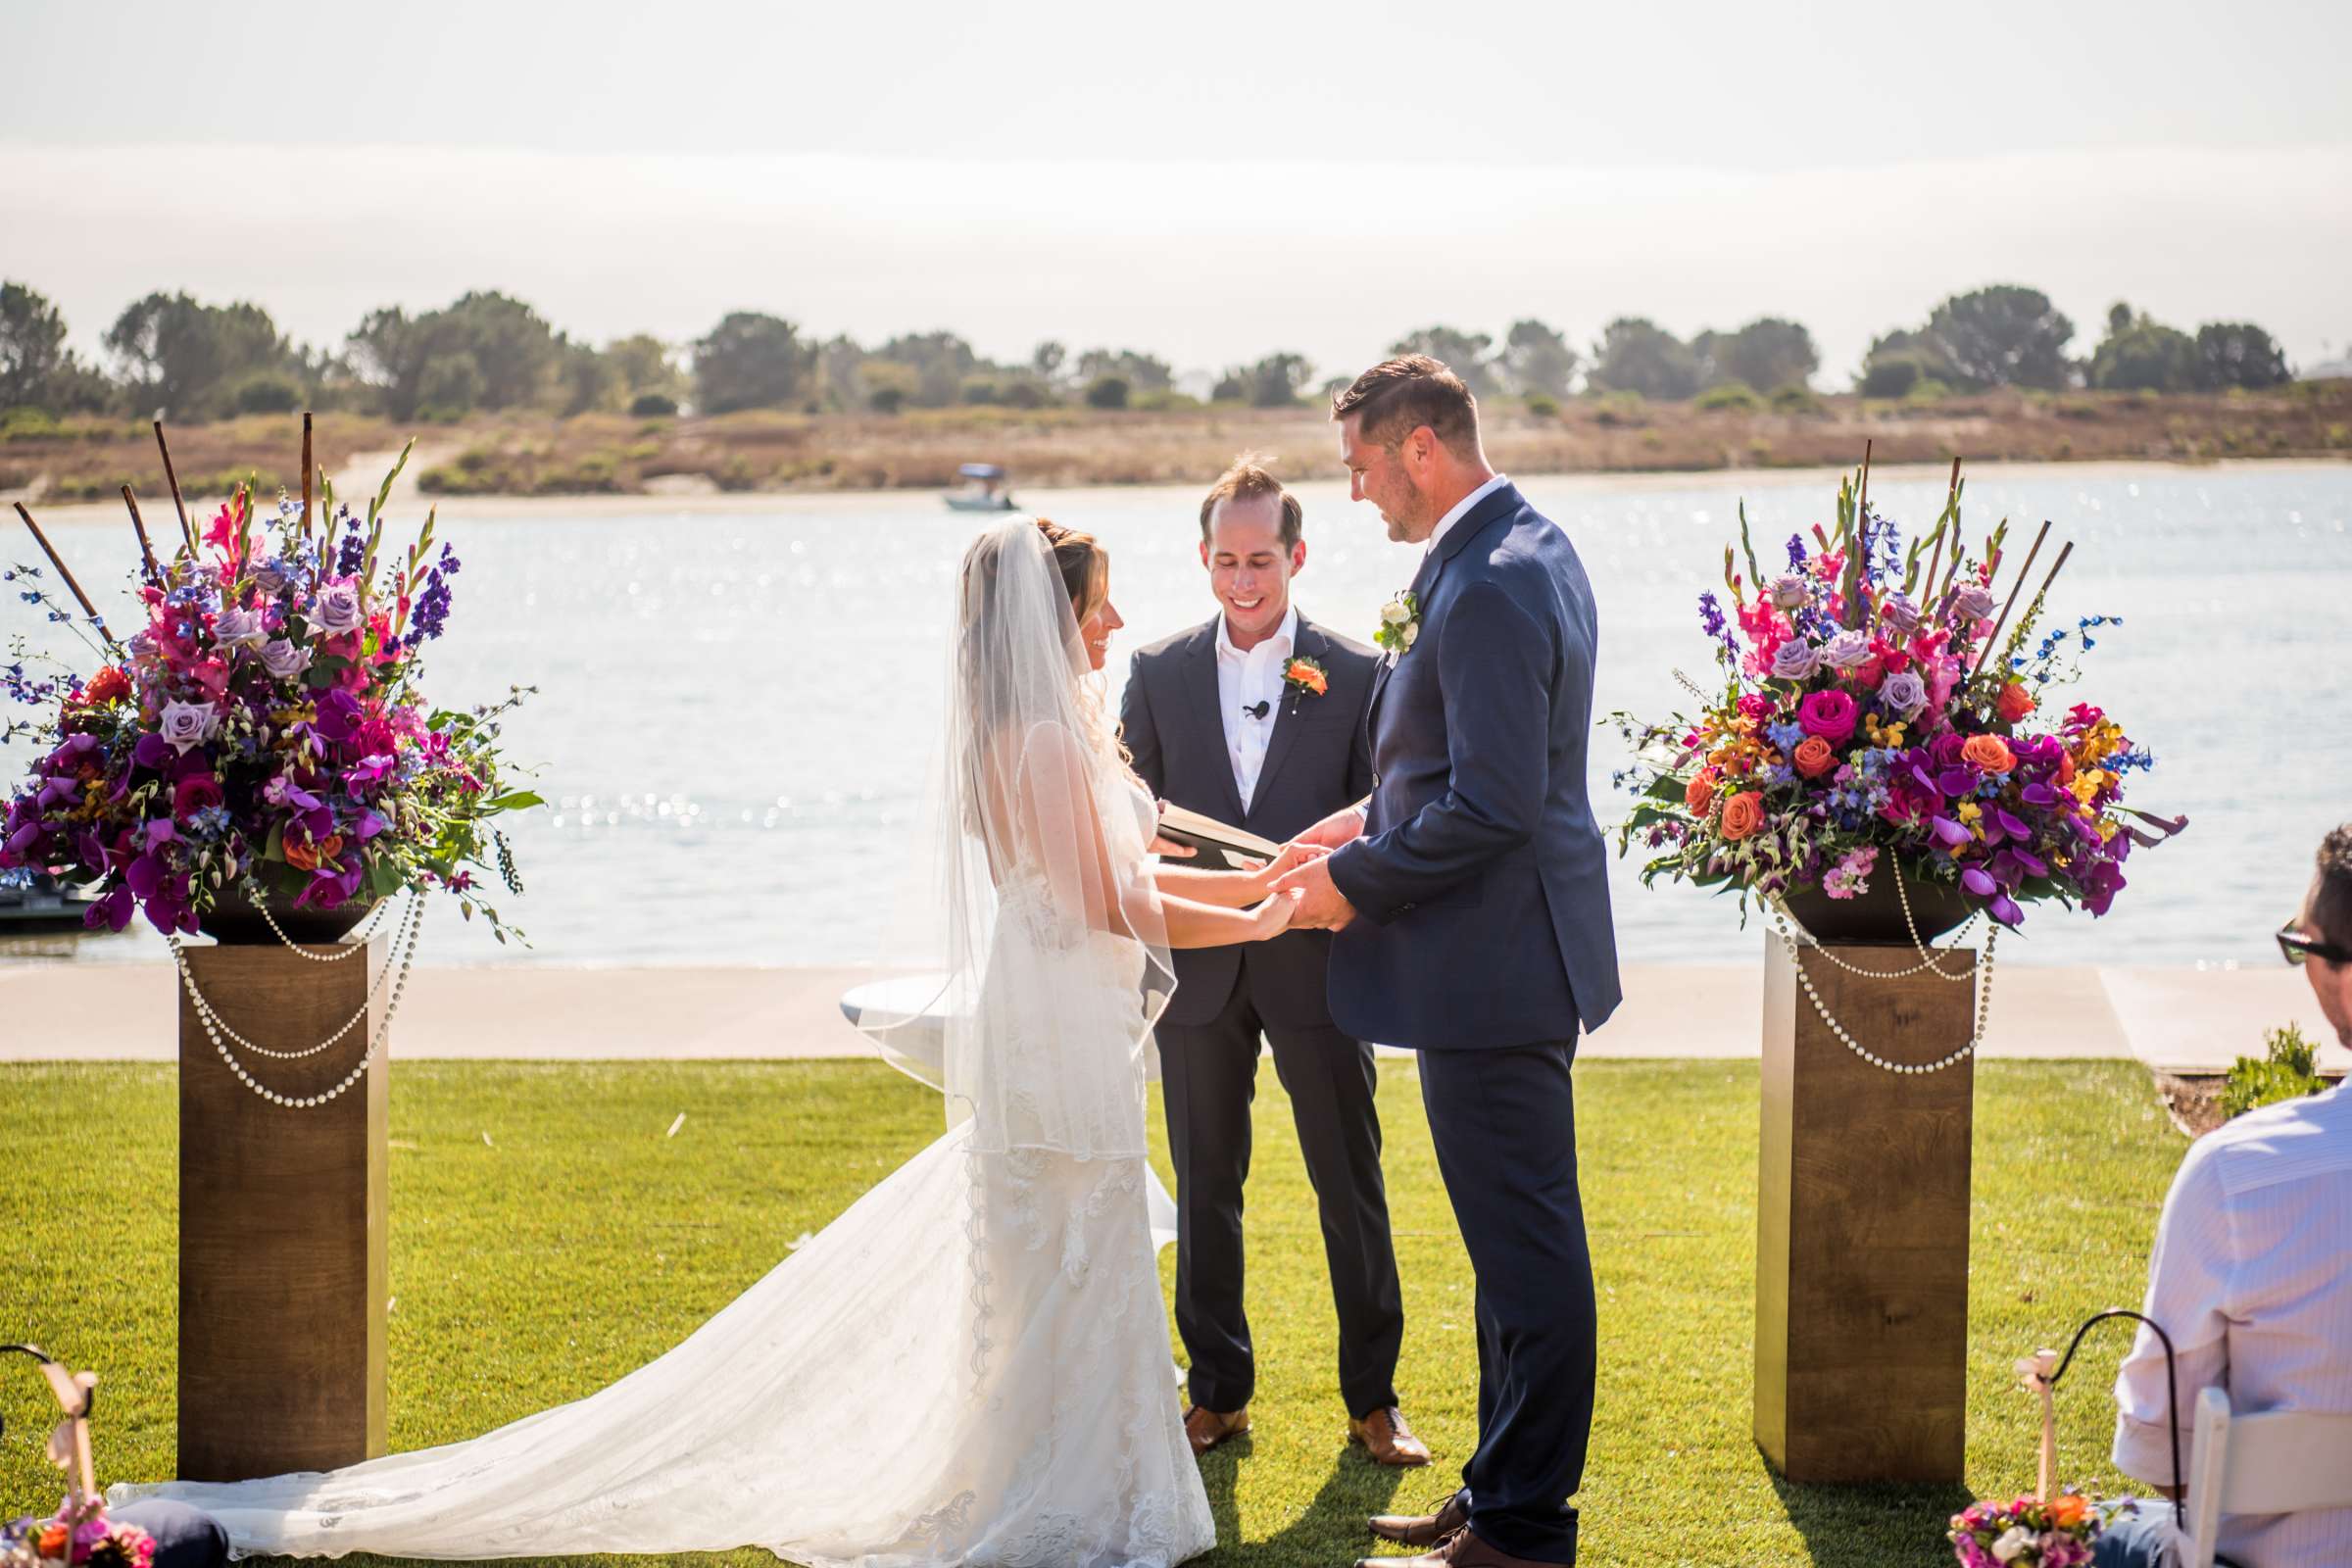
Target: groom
<point>1472,906</point>
<point>1217,725</point>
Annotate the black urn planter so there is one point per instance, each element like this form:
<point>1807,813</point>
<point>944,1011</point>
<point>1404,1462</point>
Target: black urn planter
<point>1876,915</point>
<point>233,921</point>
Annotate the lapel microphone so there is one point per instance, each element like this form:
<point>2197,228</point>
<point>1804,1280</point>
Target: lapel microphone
<point>1257,710</point>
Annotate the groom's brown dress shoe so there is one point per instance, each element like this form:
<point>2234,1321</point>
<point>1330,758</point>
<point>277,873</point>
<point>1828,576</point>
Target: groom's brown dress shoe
<point>1462,1549</point>
<point>1387,1438</point>
<point>1422,1529</point>
<point>1205,1429</point>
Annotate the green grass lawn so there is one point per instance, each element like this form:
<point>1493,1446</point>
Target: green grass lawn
<point>578,1241</point>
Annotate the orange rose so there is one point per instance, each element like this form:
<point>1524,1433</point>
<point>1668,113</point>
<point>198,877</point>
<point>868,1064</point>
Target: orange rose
<point>1987,754</point>
<point>1700,793</point>
<point>2066,767</point>
<point>2067,1509</point>
<point>1814,756</point>
<point>2015,702</point>
<point>1742,815</point>
<point>306,856</point>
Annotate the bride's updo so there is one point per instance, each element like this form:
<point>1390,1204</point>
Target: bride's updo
<point>1084,567</point>
<point>995,663</point>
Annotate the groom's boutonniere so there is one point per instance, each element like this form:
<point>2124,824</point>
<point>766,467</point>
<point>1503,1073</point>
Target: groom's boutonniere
<point>1305,678</point>
<point>1399,624</point>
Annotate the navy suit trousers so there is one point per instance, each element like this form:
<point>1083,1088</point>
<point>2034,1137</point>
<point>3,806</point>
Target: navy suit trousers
<point>1504,1125</point>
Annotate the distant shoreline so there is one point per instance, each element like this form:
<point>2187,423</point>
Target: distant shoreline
<point>600,463</point>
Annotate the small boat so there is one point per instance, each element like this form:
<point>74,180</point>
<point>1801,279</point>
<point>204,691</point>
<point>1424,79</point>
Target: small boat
<point>47,903</point>
<point>985,488</point>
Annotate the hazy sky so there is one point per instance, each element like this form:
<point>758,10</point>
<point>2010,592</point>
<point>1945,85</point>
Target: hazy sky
<point>1207,182</point>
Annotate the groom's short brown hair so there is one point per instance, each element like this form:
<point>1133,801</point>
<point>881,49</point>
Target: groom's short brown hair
<point>1246,480</point>
<point>1397,396</point>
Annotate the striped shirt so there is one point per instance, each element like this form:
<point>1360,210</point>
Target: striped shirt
<point>2252,1278</point>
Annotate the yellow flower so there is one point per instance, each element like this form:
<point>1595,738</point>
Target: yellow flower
<point>1970,811</point>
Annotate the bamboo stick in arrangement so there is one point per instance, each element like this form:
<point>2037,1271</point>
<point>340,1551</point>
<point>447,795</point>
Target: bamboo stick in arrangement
<point>64,571</point>
<point>2024,573</point>
<point>171,476</point>
<point>306,475</point>
<point>138,525</point>
<point>1858,543</point>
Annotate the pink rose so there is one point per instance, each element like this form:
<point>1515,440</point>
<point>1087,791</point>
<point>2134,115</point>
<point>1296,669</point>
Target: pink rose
<point>1829,714</point>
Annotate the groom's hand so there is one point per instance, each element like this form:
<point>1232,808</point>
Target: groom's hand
<point>1342,826</point>
<point>1321,903</point>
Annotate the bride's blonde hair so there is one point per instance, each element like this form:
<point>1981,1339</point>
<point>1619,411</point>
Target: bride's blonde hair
<point>1084,567</point>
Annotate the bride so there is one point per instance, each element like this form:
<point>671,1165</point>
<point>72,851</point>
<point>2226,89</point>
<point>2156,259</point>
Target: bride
<point>971,1364</point>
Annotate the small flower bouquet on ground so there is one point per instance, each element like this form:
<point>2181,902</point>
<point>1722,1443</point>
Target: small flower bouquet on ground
<point>78,1533</point>
<point>2026,1533</point>
<point>1876,706</point>
<point>263,733</point>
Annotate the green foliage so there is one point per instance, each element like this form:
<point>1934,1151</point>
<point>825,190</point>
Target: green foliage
<point>1890,376</point>
<point>1542,405</point>
<point>1736,396</point>
<point>1465,353</point>
<point>417,363</point>
<point>269,392</point>
<point>1273,382</point>
<point>1767,352</point>
<point>1107,392</point>
<point>749,361</point>
<point>1537,361</point>
<point>2286,1071</point>
<point>652,406</point>
<point>2003,335</point>
<point>2139,354</point>
<point>2239,354</point>
<point>1143,373</point>
<point>1635,355</point>
<point>33,345</point>
<point>940,361</point>
<point>1621,408</point>
<point>1794,397</point>
<point>181,356</point>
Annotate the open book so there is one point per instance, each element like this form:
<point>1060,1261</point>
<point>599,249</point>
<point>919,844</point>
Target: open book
<point>1207,834</point>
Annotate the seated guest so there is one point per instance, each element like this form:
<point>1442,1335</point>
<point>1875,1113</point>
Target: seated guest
<point>2252,1274</point>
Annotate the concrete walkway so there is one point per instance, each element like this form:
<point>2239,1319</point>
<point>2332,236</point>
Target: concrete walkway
<point>2175,1019</point>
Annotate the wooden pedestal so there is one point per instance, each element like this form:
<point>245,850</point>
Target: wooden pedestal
<point>1862,1222</point>
<point>281,1221</point>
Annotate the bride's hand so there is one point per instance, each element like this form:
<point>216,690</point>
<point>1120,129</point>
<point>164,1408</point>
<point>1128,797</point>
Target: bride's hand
<point>1294,854</point>
<point>1273,916</point>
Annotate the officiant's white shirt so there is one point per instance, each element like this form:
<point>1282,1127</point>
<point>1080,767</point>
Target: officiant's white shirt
<point>1243,680</point>
<point>2251,1275</point>
<point>1461,509</point>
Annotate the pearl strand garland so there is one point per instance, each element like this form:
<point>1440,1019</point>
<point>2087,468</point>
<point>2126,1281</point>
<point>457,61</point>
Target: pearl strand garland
<point>1975,1036</point>
<point>383,1031</point>
<point>342,949</point>
<point>1928,955</point>
<point>411,913</point>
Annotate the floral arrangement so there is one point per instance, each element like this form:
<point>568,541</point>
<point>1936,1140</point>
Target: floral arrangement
<point>1871,710</point>
<point>1399,625</point>
<point>2026,1533</point>
<point>78,1534</point>
<point>262,731</point>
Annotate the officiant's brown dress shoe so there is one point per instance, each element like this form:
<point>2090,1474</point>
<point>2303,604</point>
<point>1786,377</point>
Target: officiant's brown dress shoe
<point>1462,1549</point>
<point>1387,1438</point>
<point>1205,1429</point>
<point>1422,1529</point>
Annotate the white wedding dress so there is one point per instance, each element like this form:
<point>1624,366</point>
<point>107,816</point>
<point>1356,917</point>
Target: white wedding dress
<point>971,1365</point>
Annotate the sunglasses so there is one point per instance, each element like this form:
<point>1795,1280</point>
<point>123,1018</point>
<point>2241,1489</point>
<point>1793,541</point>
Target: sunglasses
<point>2300,948</point>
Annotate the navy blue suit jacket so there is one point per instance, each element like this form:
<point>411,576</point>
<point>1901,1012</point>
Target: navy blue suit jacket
<point>1480,883</point>
<point>1317,760</point>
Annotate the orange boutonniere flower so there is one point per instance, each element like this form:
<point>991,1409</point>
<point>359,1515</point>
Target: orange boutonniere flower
<point>1305,678</point>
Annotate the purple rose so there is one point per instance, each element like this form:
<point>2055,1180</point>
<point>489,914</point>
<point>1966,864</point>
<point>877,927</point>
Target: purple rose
<point>1789,591</point>
<point>1973,602</point>
<point>1828,714</point>
<point>283,659</point>
<point>233,627</point>
<point>338,607</point>
<point>271,575</point>
<point>1795,660</point>
<point>1898,612</point>
<point>1903,694</point>
<point>187,724</point>
<point>1847,650</point>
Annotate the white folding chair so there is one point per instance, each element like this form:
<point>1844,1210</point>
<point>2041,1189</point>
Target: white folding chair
<point>2279,1461</point>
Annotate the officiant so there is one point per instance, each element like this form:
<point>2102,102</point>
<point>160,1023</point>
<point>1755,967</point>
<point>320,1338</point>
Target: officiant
<point>1255,717</point>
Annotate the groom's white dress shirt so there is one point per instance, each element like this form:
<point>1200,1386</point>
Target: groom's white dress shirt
<point>1461,509</point>
<point>1243,680</point>
<point>2252,1278</point>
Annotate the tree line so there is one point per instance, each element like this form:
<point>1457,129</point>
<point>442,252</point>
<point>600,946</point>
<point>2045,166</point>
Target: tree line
<point>487,351</point>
